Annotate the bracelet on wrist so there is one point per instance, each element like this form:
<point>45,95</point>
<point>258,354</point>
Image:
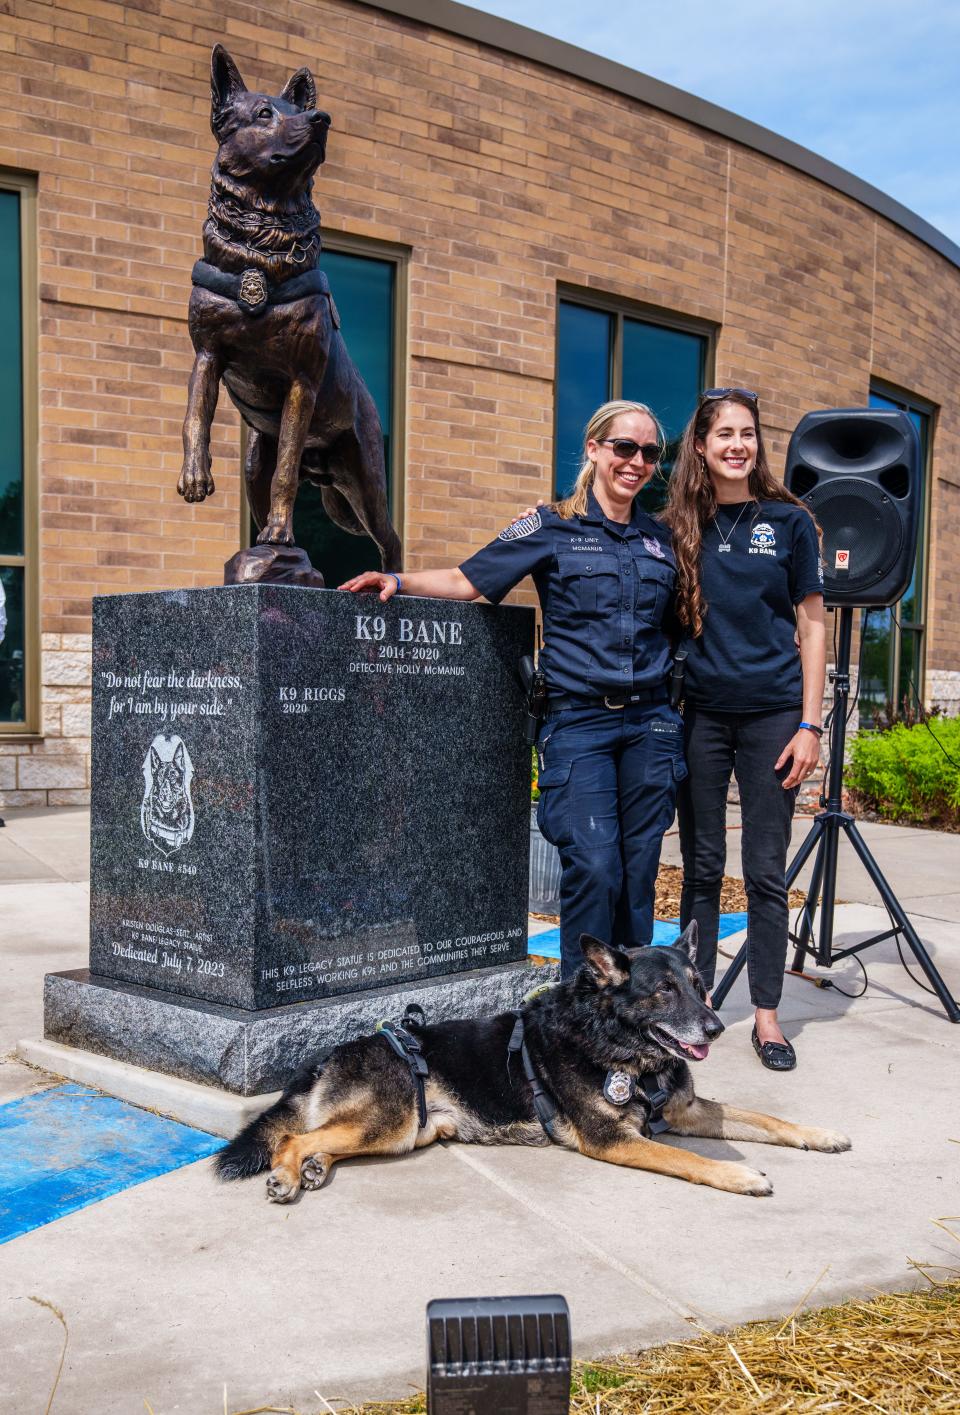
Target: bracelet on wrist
<point>811,727</point>
<point>394,576</point>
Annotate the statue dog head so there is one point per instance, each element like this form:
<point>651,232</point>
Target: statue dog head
<point>272,145</point>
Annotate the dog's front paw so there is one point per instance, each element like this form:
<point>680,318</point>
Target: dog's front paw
<point>281,1186</point>
<point>277,531</point>
<point>741,1179</point>
<point>314,1171</point>
<point>195,483</point>
<point>830,1142</point>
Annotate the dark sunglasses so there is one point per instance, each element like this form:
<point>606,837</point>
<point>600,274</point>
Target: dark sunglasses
<point>626,447</point>
<point>709,394</point>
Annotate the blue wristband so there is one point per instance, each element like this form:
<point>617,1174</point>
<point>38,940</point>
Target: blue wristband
<point>811,728</point>
<point>396,577</point>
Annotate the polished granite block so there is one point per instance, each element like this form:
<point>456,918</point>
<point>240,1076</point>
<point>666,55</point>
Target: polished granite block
<point>250,1053</point>
<point>300,794</point>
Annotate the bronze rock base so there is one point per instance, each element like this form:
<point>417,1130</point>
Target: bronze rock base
<point>272,564</point>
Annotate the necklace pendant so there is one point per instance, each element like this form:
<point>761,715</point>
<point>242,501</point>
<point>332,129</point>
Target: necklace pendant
<point>723,550</point>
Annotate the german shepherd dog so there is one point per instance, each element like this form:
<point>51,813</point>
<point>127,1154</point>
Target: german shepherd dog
<point>263,320</point>
<point>630,1015</point>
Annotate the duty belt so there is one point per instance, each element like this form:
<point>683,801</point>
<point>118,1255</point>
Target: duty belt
<point>559,702</point>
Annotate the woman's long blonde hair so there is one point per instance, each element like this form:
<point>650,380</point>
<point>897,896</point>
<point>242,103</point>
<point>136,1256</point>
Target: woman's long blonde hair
<point>691,503</point>
<point>596,430</point>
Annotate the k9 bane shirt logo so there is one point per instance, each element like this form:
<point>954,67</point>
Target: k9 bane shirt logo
<point>763,541</point>
<point>166,813</point>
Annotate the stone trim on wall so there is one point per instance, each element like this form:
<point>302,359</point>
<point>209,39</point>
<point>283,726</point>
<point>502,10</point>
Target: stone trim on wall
<point>55,770</point>
<point>943,690</point>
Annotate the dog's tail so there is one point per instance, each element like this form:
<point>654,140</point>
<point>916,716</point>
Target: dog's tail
<point>251,1151</point>
<point>247,1153</point>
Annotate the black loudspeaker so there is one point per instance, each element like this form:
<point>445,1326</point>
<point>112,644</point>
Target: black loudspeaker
<point>498,1356</point>
<point>858,469</point>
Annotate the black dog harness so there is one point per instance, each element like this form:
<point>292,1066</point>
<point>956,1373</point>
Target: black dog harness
<point>619,1088</point>
<point>543,1103</point>
<point>253,292</point>
<point>408,1048</point>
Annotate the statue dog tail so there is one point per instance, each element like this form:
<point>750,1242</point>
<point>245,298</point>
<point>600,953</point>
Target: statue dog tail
<point>250,1153</point>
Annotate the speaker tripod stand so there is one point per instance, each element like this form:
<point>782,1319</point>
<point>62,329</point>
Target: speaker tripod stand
<point>824,837</point>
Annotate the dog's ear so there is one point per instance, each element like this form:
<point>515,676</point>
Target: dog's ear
<point>225,80</point>
<point>687,942</point>
<point>300,90</point>
<point>609,966</point>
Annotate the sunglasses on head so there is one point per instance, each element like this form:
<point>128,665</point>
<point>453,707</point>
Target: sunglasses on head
<point>709,394</point>
<point>625,447</point>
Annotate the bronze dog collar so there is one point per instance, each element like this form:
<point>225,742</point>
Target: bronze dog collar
<point>252,291</point>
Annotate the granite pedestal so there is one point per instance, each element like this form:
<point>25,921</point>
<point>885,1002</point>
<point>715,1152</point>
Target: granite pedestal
<point>307,809</point>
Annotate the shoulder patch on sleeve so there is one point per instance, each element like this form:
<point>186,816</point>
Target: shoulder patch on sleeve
<point>524,527</point>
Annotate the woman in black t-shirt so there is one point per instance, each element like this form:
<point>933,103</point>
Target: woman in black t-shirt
<point>750,596</point>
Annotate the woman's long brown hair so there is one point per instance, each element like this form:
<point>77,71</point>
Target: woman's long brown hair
<point>692,505</point>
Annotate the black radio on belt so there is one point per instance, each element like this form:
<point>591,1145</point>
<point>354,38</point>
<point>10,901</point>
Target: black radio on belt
<point>498,1356</point>
<point>535,686</point>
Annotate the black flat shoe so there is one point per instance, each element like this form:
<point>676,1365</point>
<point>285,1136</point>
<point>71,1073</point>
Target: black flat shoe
<point>777,1056</point>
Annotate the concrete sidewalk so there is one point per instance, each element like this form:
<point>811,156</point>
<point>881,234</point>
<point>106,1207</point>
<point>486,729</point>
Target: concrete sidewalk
<point>177,1287</point>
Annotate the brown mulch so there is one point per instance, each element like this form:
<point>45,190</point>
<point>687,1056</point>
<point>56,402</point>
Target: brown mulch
<point>733,896</point>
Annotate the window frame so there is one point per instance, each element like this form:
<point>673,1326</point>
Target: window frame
<point>911,403</point>
<point>371,247</point>
<point>25,185</point>
<point>622,307</point>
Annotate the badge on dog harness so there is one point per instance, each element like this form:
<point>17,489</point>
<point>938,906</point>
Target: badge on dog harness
<point>619,1087</point>
<point>253,292</point>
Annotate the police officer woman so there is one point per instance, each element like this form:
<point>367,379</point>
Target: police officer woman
<point>750,595</point>
<point>610,746</point>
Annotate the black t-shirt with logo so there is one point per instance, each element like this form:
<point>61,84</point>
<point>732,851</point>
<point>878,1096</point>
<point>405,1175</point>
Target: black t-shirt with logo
<point>759,560</point>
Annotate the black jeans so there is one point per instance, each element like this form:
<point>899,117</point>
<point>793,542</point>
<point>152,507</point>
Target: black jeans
<point>746,744</point>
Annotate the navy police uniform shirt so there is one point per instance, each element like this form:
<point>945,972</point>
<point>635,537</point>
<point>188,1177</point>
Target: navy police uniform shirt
<point>605,589</point>
<point>747,658</point>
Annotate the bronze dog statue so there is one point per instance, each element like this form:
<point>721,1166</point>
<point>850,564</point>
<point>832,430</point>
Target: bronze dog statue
<point>263,320</point>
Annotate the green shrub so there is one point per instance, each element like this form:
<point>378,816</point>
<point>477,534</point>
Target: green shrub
<point>904,775</point>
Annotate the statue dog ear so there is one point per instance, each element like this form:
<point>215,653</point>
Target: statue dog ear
<point>225,80</point>
<point>300,90</point>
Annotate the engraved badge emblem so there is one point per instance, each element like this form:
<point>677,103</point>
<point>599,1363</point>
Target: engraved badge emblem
<point>652,545</point>
<point>619,1087</point>
<point>253,291</point>
<point>166,812</point>
<point>524,527</point>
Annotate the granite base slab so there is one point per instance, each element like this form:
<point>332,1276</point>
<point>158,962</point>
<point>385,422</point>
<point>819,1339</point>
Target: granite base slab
<point>250,1053</point>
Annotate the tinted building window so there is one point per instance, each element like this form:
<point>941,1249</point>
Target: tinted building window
<point>13,645</point>
<point>364,290</point>
<point>607,353</point>
<point>892,653</point>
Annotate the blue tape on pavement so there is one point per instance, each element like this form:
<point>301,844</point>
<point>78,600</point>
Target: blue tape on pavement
<point>68,1147</point>
<point>665,931</point>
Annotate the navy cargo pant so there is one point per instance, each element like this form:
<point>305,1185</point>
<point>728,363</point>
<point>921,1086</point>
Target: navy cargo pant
<point>608,784</point>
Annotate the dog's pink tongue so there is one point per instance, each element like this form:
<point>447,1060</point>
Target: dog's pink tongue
<point>698,1053</point>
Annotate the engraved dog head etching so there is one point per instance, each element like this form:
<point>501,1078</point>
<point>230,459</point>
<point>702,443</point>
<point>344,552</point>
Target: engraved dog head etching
<point>166,813</point>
